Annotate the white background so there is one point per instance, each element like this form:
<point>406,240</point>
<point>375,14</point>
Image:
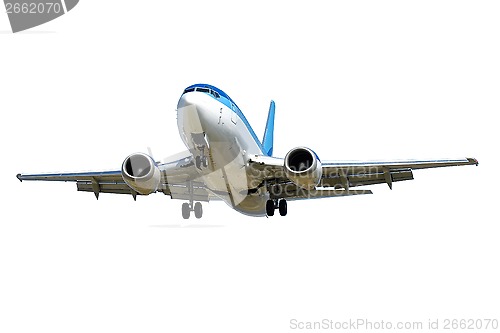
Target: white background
<point>352,80</point>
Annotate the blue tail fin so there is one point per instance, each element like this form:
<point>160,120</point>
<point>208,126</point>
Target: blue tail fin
<point>267,141</point>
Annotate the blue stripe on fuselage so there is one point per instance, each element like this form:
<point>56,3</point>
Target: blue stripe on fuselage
<point>227,101</point>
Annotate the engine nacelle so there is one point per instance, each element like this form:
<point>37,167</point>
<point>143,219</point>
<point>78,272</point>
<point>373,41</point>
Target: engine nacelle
<point>141,173</point>
<point>303,167</point>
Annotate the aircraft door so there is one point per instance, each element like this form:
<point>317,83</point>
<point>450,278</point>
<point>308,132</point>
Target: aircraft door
<point>234,116</point>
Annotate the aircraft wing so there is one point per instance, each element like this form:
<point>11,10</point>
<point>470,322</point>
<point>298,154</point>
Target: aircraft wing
<point>97,182</point>
<point>343,176</point>
<point>351,174</point>
<point>175,176</point>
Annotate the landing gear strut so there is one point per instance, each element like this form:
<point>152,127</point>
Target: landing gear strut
<point>272,205</point>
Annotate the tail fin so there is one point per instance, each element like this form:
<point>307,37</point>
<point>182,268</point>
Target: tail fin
<point>267,141</point>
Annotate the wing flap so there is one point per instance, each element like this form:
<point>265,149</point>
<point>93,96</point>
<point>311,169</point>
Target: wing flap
<point>366,178</point>
<point>117,188</point>
<point>183,192</point>
<point>301,194</point>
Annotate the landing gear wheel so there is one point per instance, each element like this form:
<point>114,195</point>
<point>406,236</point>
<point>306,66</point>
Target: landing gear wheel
<point>282,207</point>
<point>198,210</point>
<point>204,161</point>
<point>186,210</point>
<point>270,208</point>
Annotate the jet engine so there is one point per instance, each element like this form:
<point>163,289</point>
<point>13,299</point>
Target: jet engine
<point>303,167</point>
<point>141,173</point>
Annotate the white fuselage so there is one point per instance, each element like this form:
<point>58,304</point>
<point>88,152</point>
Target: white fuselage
<point>220,132</point>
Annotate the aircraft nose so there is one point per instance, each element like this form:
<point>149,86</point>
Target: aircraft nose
<point>186,100</point>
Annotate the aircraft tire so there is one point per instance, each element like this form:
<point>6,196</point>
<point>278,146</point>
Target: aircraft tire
<point>198,210</point>
<point>270,208</point>
<point>283,207</point>
<point>185,211</point>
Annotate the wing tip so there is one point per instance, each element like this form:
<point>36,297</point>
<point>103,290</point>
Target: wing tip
<point>472,160</point>
<point>20,177</point>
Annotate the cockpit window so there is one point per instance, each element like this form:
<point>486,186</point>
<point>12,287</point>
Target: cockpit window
<point>206,90</point>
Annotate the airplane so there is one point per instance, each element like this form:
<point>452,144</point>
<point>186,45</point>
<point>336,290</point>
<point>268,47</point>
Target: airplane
<point>226,161</point>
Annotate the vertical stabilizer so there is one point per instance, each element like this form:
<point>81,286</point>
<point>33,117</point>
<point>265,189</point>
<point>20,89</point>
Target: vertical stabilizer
<point>267,141</point>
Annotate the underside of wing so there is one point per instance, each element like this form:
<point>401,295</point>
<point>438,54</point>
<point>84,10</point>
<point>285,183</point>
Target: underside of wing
<point>176,177</point>
<point>357,173</point>
<point>343,175</point>
<point>292,192</point>
<point>97,182</point>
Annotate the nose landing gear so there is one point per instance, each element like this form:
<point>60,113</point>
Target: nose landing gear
<point>201,162</point>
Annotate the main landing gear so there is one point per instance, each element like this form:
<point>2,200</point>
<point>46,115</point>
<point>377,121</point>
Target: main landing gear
<point>191,206</point>
<point>187,208</point>
<point>272,205</point>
